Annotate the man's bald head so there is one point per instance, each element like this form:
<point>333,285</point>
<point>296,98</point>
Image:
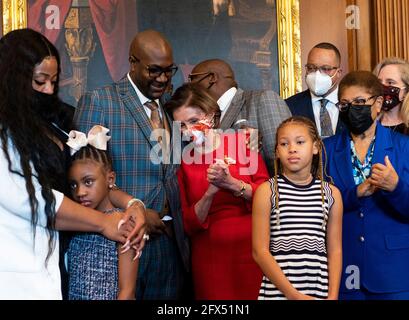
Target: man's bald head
<point>148,41</point>
<point>149,52</point>
<point>214,65</point>
<point>215,75</point>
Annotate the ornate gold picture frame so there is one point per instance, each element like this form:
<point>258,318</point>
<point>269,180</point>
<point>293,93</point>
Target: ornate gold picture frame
<point>14,15</point>
<point>288,34</point>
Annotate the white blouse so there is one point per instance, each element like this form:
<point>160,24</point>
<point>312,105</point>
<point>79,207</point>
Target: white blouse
<point>23,273</point>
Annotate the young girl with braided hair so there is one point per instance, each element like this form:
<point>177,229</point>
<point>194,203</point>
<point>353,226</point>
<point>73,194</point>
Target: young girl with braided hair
<point>297,220</point>
<point>98,268</point>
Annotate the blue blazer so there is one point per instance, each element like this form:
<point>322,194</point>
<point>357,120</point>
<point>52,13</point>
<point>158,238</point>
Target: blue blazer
<point>300,104</point>
<point>375,228</point>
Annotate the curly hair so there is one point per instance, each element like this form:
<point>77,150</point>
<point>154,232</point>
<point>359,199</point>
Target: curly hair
<point>22,128</point>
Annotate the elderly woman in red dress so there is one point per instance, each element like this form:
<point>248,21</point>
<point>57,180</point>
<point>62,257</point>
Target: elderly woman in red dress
<point>217,178</point>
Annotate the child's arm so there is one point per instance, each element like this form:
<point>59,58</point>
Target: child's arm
<point>127,274</point>
<point>334,244</point>
<point>261,243</point>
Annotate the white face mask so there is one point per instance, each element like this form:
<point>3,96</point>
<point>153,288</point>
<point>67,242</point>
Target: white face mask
<point>319,83</point>
<point>197,131</point>
<point>196,136</point>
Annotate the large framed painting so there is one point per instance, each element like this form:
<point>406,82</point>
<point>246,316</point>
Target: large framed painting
<point>259,38</point>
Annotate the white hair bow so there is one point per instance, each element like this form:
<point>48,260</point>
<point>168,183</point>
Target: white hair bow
<point>97,137</point>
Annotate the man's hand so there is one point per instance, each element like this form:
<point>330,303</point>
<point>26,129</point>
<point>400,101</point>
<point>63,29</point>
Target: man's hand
<point>254,139</point>
<point>154,224</point>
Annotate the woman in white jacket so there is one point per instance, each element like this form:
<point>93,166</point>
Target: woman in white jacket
<point>32,174</point>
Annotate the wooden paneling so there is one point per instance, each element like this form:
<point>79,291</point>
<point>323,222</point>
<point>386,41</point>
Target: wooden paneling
<point>361,43</point>
<point>391,28</point>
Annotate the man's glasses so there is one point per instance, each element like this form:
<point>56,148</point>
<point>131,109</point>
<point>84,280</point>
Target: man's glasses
<point>155,71</point>
<point>344,106</point>
<point>196,74</point>
<point>323,69</point>
<point>205,75</point>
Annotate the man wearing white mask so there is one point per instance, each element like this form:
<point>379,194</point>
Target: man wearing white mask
<point>318,102</point>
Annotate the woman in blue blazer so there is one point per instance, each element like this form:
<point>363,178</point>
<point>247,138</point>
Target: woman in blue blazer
<point>370,166</point>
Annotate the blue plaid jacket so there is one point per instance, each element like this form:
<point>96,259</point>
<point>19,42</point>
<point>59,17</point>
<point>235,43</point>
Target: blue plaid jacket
<point>118,108</point>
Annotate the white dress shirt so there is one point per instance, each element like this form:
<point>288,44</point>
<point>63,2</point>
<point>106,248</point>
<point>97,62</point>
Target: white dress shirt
<point>23,272</point>
<point>331,107</point>
<point>144,99</point>
<point>225,101</point>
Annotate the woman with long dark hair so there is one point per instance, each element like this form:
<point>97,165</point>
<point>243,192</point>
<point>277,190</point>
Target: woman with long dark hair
<point>33,173</point>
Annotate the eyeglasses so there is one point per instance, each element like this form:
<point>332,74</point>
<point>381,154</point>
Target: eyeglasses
<point>344,106</point>
<point>155,71</point>
<point>204,74</point>
<point>323,69</point>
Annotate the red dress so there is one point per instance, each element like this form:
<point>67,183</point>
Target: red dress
<point>222,263</point>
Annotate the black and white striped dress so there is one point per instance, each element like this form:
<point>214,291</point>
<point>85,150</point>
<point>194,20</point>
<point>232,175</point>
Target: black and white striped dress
<point>297,239</point>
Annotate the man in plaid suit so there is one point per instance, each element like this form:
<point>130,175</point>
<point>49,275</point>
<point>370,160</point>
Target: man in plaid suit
<point>262,109</point>
<point>131,109</point>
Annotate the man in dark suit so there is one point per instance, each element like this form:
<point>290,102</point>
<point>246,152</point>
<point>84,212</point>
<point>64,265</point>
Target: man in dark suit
<point>132,110</point>
<point>260,109</point>
<point>318,102</point>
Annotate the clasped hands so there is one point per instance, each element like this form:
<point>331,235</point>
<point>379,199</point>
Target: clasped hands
<point>383,176</point>
<point>219,177</point>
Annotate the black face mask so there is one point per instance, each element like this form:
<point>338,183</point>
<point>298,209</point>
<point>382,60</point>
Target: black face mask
<point>390,97</point>
<point>46,106</point>
<point>357,118</point>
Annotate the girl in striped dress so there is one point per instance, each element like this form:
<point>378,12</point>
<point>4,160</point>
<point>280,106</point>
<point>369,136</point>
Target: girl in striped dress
<point>297,220</point>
